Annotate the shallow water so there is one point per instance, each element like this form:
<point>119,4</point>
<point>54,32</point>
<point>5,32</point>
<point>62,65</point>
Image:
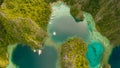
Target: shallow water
<point>94,53</point>
<point>10,51</point>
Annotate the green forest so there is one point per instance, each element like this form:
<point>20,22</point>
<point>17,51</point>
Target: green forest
<point>73,54</point>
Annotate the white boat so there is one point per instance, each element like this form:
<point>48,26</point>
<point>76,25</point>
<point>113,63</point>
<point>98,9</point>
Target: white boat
<point>34,50</point>
<point>54,33</point>
<point>39,52</point>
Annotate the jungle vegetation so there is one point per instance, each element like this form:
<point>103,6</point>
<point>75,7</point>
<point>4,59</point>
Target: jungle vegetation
<point>107,17</point>
<point>1,1</point>
<point>73,54</point>
<point>22,21</point>
<point>3,56</point>
<point>105,13</point>
<point>38,10</point>
<point>76,12</point>
<point>50,1</point>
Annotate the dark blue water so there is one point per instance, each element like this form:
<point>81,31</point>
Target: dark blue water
<point>94,53</point>
<point>114,60</point>
<point>24,57</point>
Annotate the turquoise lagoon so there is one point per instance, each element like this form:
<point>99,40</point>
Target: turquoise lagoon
<point>94,53</point>
<point>61,27</point>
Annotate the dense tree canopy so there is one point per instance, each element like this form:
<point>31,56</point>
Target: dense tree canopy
<point>22,21</point>
<point>38,10</point>
<point>73,54</point>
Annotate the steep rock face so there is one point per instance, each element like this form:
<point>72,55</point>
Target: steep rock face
<point>108,20</point>
<point>22,21</point>
<point>1,1</point>
<point>106,14</point>
<point>20,30</point>
<point>106,66</point>
<point>3,57</point>
<point>39,11</point>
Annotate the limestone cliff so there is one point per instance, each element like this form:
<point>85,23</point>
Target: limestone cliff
<point>22,21</point>
<point>73,54</point>
<point>3,57</point>
<point>106,14</point>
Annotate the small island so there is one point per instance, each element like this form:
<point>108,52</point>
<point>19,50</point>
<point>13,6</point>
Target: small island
<point>73,54</point>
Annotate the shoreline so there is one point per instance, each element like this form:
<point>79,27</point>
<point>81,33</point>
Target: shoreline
<point>57,47</point>
<point>10,51</point>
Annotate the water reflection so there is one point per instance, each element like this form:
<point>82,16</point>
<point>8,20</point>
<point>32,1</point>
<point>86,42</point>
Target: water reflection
<point>62,25</point>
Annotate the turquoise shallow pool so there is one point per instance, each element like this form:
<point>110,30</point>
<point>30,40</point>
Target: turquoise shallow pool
<point>94,53</point>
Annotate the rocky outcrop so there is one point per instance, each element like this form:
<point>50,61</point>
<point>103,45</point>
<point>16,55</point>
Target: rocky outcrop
<point>3,57</point>
<point>73,54</point>
<point>105,13</point>
<point>21,30</point>
<point>1,1</point>
<point>22,21</point>
<point>106,66</point>
<point>39,11</point>
<point>107,16</point>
